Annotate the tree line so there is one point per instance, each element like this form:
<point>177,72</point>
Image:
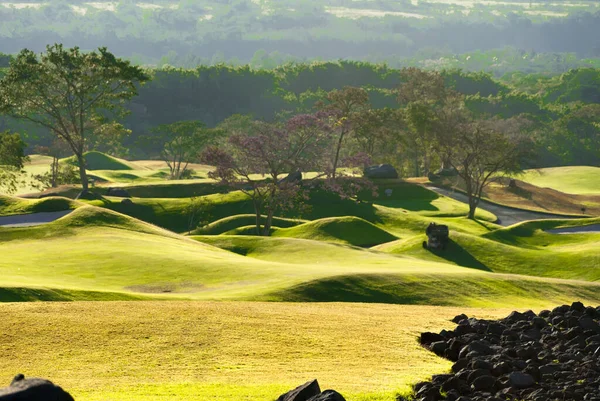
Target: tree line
<point>79,97</point>
<point>562,106</point>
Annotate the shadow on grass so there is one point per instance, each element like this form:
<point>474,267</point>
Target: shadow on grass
<point>21,294</point>
<point>455,253</point>
<point>359,288</point>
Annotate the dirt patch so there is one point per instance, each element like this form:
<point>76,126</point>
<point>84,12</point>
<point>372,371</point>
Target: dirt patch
<point>523,195</point>
<point>166,288</point>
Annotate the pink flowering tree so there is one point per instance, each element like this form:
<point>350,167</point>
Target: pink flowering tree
<point>257,161</point>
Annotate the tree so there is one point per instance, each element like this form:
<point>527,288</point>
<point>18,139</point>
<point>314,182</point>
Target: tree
<point>59,173</point>
<point>344,106</point>
<point>69,92</point>
<point>181,143</point>
<point>12,159</point>
<point>486,149</point>
<point>430,111</point>
<point>254,162</point>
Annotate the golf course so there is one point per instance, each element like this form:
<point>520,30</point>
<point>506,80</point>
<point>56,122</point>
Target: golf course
<point>299,201</point>
<point>340,293</point>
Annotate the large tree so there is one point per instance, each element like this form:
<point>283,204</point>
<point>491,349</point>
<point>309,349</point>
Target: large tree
<point>345,107</point>
<point>69,92</point>
<point>432,112</point>
<point>485,149</point>
<point>255,161</point>
<point>12,158</point>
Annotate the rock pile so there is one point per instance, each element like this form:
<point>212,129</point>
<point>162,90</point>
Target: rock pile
<point>554,355</point>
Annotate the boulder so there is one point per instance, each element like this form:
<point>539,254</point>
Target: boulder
<point>127,202</point>
<point>302,393</point>
<point>380,171</point>
<point>88,195</point>
<point>293,178</point>
<point>328,395</point>
<point>446,172</point>
<point>118,192</point>
<point>22,389</point>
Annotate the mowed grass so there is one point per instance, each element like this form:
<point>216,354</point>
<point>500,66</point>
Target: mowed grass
<point>101,161</point>
<point>572,179</point>
<point>226,351</point>
<point>97,250</point>
<point>10,205</point>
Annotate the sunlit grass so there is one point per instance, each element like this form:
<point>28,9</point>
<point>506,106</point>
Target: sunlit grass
<point>222,351</point>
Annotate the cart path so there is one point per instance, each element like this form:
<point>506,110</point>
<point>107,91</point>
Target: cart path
<point>32,219</point>
<point>591,229</point>
<point>506,216</point>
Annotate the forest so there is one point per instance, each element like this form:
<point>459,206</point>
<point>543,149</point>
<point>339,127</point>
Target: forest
<point>563,109</point>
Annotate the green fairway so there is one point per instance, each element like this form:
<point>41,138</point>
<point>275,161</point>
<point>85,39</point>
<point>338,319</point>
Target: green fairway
<point>94,249</point>
<point>12,205</point>
<point>572,180</point>
<point>348,230</point>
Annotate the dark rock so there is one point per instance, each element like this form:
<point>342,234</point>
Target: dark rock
<point>22,389</point>
<point>439,348</point>
<point>484,383</point>
<point>380,171</point>
<point>127,202</point>
<point>460,317</point>
<point>118,192</point>
<point>302,393</point>
<point>88,195</point>
<point>293,178</point>
<point>521,380</point>
<point>328,395</point>
<point>428,338</point>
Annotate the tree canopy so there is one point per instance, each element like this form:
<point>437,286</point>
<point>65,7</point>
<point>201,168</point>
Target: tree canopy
<point>71,93</point>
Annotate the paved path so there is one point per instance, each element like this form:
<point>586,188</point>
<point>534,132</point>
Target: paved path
<point>506,216</point>
<point>591,229</point>
<point>33,219</point>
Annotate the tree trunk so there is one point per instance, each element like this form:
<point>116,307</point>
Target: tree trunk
<point>54,179</point>
<point>268,224</point>
<point>257,211</point>
<point>472,209</point>
<point>82,172</point>
<point>417,162</point>
<point>337,153</point>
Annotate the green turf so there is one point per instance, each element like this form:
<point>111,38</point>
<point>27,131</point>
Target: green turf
<point>348,230</point>
<point>522,249</point>
<point>21,294</point>
<point>94,249</point>
<point>101,161</point>
<point>572,179</point>
<point>10,205</point>
<point>240,220</point>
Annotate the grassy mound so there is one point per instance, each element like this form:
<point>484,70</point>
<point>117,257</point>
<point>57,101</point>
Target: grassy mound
<point>348,230</point>
<point>10,205</point>
<point>521,249</point>
<point>21,294</point>
<point>571,179</point>
<point>101,161</point>
<point>232,222</point>
<point>446,290</point>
